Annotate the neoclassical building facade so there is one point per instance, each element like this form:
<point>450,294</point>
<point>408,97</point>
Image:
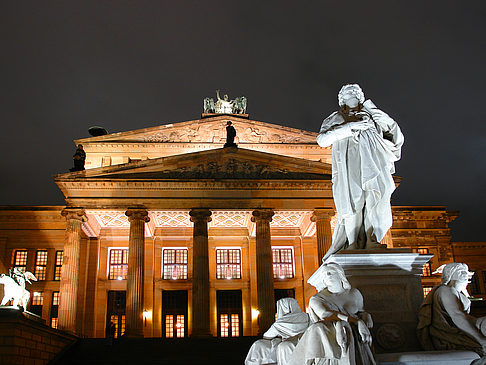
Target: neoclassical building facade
<point>169,234</point>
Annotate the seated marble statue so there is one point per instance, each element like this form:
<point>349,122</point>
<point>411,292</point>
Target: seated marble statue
<point>340,332</point>
<point>291,321</point>
<point>444,320</point>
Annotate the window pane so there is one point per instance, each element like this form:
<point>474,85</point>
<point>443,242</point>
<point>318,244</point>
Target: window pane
<point>174,264</point>
<point>118,268</point>
<point>228,263</point>
<point>180,325</point>
<point>224,323</point>
<point>235,325</point>
<point>426,290</point>
<point>283,266</point>
<point>40,265</point>
<point>169,326</point>
<point>20,260</point>
<point>58,265</point>
<point>37,298</point>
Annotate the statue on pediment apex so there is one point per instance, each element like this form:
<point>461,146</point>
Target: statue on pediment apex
<point>224,105</point>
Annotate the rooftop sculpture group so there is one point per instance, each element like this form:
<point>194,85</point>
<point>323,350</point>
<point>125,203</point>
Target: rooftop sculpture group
<point>224,105</point>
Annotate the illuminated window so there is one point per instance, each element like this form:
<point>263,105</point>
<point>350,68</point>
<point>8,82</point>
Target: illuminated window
<point>224,323</point>
<point>426,290</point>
<point>20,260</point>
<point>180,325</point>
<point>283,263</point>
<point>119,321</point>
<point>228,263</point>
<point>36,302</point>
<point>37,298</point>
<point>40,265</point>
<point>169,326</point>
<point>54,309</point>
<point>58,265</point>
<point>174,263</point>
<point>235,325</point>
<point>118,264</point>
<point>474,288</point>
<point>427,269</point>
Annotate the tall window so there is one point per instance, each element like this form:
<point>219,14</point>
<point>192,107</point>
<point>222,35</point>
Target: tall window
<point>58,265</point>
<point>230,325</point>
<point>37,302</point>
<point>54,309</point>
<point>283,262</point>
<point>427,269</point>
<point>174,263</point>
<point>20,260</point>
<point>426,290</point>
<point>118,269</point>
<point>40,264</point>
<point>228,263</point>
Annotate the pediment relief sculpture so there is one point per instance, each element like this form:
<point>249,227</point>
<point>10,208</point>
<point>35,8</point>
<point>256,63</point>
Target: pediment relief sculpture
<point>215,132</point>
<point>226,169</point>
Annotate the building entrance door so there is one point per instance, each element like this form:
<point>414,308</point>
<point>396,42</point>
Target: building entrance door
<point>174,313</point>
<point>116,311</point>
<point>230,321</point>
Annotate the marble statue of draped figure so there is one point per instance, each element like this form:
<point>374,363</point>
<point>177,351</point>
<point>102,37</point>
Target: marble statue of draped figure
<point>366,142</point>
<point>291,322</point>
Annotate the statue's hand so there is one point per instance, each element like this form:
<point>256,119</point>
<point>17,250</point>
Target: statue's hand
<point>361,125</point>
<point>364,332</point>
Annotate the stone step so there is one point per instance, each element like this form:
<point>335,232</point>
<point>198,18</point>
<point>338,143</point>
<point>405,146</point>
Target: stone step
<point>428,358</point>
<point>210,351</point>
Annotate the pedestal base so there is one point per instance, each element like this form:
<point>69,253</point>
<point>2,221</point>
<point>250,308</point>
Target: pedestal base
<point>390,281</point>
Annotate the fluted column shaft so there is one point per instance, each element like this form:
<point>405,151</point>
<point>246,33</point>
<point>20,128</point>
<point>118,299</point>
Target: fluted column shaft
<point>264,266</point>
<point>70,269</point>
<point>200,273</point>
<point>322,218</point>
<point>136,256</point>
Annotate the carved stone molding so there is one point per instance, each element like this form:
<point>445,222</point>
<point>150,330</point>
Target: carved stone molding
<point>137,214</point>
<point>74,213</point>
<point>200,215</point>
<point>322,213</point>
<point>262,215</point>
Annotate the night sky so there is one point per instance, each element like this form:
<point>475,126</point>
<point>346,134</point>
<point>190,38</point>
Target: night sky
<point>125,65</point>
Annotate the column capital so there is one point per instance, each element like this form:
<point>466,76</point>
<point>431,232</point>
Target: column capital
<point>74,213</point>
<point>322,213</point>
<point>137,214</point>
<point>262,215</point>
<point>198,215</point>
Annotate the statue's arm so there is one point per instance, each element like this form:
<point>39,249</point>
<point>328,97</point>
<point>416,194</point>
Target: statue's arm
<point>335,130</point>
<point>452,305</point>
<point>271,333</point>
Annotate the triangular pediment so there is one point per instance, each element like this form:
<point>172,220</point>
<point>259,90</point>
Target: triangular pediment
<point>210,130</point>
<point>223,163</point>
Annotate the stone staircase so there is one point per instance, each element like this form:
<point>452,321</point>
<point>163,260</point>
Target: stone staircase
<point>188,351</point>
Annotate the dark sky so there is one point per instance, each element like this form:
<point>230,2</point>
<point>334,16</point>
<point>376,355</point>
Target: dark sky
<point>125,65</point>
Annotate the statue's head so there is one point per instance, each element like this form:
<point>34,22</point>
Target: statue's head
<point>80,146</point>
<point>287,306</point>
<point>330,276</point>
<point>225,97</point>
<point>351,95</point>
<point>228,123</point>
<point>455,272</point>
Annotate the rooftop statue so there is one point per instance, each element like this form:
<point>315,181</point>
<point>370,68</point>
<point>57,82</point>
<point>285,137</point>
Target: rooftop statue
<point>366,142</point>
<point>79,158</point>
<point>444,320</point>
<point>14,287</point>
<point>339,332</point>
<point>230,135</point>
<point>291,322</point>
<point>224,105</point>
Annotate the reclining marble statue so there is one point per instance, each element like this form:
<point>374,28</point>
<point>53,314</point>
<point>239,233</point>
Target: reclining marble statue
<point>14,287</point>
<point>290,323</point>
<point>366,142</point>
<point>444,320</point>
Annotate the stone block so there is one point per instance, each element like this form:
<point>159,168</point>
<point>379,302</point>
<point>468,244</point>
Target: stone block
<point>390,281</point>
<point>427,358</point>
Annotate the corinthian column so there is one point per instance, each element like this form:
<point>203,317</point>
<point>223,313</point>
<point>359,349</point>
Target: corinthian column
<point>264,266</point>
<point>322,218</point>
<point>70,269</point>
<point>200,273</point>
<point>136,247</point>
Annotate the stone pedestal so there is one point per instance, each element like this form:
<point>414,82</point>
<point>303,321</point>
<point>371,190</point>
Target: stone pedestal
<point>136,250</point>
<point>200,273</point>
<point>264,266</point>
<point>390,281</point>
<point>322,218</point>
<point>70,270</point>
